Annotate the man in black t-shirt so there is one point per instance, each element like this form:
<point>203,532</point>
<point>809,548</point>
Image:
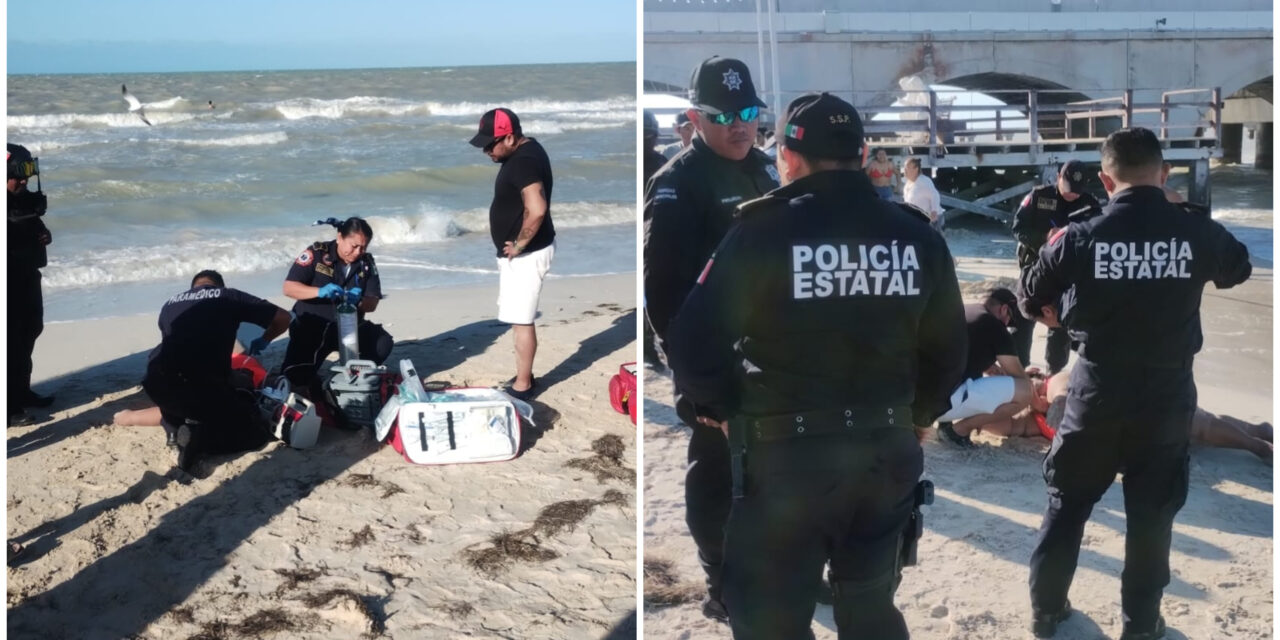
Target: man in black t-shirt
<point>189,373</point>
<point>520,223</point>
<point>982,398</point>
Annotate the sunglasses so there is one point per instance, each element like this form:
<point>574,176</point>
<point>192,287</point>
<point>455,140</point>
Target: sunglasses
<point>726,118</point>
<point>25,169</point>
<point>489,147</point>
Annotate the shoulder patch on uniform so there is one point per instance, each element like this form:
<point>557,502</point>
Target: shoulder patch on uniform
<point>305,259</point>
<point>1191,207</point>
<point>1027,200</point>
<point>1062,231</point>
<point>913,210</point>
<point>665,193</point>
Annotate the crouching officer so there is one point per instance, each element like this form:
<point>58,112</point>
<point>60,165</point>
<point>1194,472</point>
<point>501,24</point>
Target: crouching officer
<point>1138,273</point>
<point>827,324</point>
<point>189,374</point>
<point>325,274</point>
<point>1045,209</point>
<point>689,205</point>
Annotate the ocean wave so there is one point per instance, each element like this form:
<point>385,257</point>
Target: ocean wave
<point>94,120</point>
<point>431,225</point>
<point>621,105</point>
<point>189,251</point>
<point>1247,217</point>
<point>246,140</point>
<point>299,108</point>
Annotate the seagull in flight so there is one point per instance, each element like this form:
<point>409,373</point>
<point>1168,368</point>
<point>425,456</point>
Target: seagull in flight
<point>134,105</point>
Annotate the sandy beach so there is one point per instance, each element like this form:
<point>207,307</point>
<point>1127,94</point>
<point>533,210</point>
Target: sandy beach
<point>347,539</point>
<point>971,582</point>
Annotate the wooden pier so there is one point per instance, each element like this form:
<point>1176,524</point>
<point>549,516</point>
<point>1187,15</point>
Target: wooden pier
<point>982,158</point>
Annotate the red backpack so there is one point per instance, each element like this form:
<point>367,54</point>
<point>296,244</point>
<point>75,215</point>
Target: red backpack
<point>622,391</point>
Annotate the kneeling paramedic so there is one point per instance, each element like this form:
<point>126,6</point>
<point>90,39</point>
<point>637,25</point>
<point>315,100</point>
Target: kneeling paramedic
<point>323,275</point>
<point>827,324</point>
<point>189,375</point>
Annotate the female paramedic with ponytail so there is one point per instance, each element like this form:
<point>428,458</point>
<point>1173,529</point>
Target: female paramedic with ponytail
<point>326,274</point>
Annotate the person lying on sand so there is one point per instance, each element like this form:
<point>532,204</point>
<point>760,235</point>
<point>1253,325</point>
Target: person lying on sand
<point>1049,402</point>
<point>1208,429</point>
<point>995,385</point>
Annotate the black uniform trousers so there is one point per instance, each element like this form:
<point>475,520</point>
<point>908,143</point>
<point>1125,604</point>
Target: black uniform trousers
<point>312,339</point>
<point>225,414</point>
<point>1057,351</point>
<point>844,498</point>
<point>26,322</point>
<point>708,493</point>
<point>1130,419</point>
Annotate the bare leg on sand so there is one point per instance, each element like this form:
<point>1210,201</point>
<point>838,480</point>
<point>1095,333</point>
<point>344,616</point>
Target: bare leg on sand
<point>1232,433</point>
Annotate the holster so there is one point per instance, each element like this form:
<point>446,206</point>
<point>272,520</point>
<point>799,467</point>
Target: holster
<point>923,495</point>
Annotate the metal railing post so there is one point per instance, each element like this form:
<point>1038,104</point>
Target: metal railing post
<point>1217,114</point>
<point>1164,116</point>
<point>933,118</point>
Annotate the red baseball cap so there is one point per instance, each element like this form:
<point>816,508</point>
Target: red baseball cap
<point>494,124</point>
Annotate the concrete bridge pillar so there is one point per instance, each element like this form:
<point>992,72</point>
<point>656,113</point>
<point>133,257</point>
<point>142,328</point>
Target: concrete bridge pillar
<point>1232,142</point>
<point>1263,153</point>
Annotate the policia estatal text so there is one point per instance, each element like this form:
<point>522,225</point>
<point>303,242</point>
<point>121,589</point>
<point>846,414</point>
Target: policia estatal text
<point>827,324</point>
<point>1138,272</point>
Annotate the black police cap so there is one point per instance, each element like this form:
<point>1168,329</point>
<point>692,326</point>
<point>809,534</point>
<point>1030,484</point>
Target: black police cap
<point>822,126</point>
<point>1073,173</point>
<point>723,84</point>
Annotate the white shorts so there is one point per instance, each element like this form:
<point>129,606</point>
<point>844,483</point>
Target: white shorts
<point>976,397</point>
<point>520,284</point>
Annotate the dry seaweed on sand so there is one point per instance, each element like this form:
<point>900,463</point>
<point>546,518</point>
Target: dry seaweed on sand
<point>507,547</point>
<point>606,464</point>
<point>216,630</point>
<point>562,516</point>
<point>295,577</point>
<point>184,615</point>
<point>316,600</point>
<point>609,446</point>
<point>390,489</point>
<point>360,538</point>
<point>266,621</point>
<point>662,587</point>
<point>361,480</point>
<point>456,609</point>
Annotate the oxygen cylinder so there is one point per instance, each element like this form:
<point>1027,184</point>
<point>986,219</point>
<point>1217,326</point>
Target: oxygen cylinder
<point>348,334</point>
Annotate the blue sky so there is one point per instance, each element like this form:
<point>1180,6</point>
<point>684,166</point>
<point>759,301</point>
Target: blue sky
<point>107,36</point>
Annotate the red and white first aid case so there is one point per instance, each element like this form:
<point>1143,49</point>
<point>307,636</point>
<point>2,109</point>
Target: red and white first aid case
<point>455,426</point>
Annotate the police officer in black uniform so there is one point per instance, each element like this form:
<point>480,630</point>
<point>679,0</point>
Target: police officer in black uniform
<point>828,323</point>
<point>189,375</point>
<point>28,238</point>
<point>1138,272</point>
<point>1044,209</point>
<point>689,204</point>
<point>324,275</point>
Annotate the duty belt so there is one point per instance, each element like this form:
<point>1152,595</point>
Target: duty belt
<point>825,422</point>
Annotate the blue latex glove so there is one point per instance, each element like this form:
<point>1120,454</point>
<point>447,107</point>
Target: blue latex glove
<point>258,345</point>
<point>331,291</point>
<point>354,294</point>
